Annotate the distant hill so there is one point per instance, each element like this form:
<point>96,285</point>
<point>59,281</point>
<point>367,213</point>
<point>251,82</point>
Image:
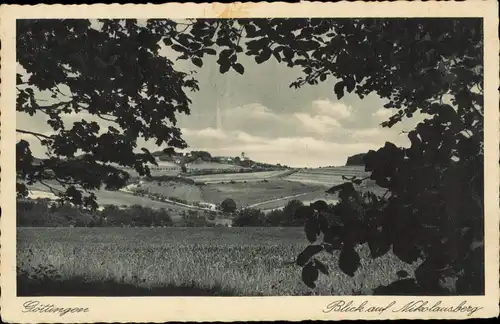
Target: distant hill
<point>356,159</point>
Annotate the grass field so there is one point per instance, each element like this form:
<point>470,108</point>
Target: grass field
<point>326,176</point>
<point>240,177</point>
<point>245,194</point>
<point>185,261</point>
<point>329,177</point>
<point>257,193</point>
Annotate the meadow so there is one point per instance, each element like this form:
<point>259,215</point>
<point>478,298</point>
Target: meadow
<point>182,261</point>
<point>270,193</point>
<point>235,177</point>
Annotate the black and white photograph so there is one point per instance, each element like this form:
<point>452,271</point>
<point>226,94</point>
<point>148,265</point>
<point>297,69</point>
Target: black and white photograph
<point>247,157</point>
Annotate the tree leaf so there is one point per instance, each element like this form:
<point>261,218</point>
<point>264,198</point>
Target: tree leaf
<point>378,243</point>
<point>339,89</point>
<point>312,229</point>
<point>263,56</point>
<point>167,41</point>
<point>405,250</point>
<point>178,48</point>
<point>349,260</point>
<point>197,61</point>
<point>309,275</point>
<point>323,222</point>
<point>347,186</point>
<point>209,51</point>
<point>320,205</point>
<point>277,55</point>
<point>308,253</point>
<point>349,83</point>
<point>321,267</point>
<point>223,68</point>
<point>239,68</point>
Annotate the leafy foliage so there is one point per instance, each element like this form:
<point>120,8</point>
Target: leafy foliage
<point>228,205</point>
<point>113,72</point>
<point>249,217</point>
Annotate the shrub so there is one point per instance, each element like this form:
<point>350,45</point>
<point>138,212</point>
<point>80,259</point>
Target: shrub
<point>228,205</point>
<point>276,218</point>
<point>42,212</point>
<point>192,218</point>
<point>291,213</point>
<point>250,217</point>
<point>179,200</point>
<point>145,216</point>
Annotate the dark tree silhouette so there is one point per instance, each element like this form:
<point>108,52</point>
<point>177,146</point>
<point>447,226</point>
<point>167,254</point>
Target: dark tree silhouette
<point>433,210</point>
<point>228,205</point>
<point>114,73</point>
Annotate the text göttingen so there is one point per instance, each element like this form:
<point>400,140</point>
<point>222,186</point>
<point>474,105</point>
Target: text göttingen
<point>411,307</point>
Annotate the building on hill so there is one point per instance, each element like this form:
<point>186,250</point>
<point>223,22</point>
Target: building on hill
<point>248,163</point>
<point>226,159</point>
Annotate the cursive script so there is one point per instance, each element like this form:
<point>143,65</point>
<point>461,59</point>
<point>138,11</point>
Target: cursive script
<point>34,306</point>
<point>342,306</point>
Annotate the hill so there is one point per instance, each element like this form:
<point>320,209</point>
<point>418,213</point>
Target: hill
<point>356,160</point>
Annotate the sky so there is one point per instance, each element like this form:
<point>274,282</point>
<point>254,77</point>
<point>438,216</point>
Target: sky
<point>265,118</point>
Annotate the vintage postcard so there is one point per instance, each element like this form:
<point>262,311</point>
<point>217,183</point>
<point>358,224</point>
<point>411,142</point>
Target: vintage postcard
<point>249,162</point>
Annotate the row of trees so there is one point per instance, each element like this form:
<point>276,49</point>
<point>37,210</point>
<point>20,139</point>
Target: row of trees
<point>434,209</point>
<point>294,214</point>
<point>48,214</point>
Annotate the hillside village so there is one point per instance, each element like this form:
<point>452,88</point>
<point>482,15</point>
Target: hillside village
<point>199,157</point>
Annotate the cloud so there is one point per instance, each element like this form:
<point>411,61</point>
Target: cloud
<point>249,111</point>
<point>319,124</point>
<point>367,133</point>
<point>297,151</point>
<point>206,133</point>
<point>247,138</point>
<point>383,113</point>
<point>333,109</point>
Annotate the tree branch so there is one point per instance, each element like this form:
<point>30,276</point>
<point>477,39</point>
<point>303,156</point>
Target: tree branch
<point>37,135</point>
<point>59,90</point>
<point>240,33</point>
<point>104,118</point>
<point>52,189</point>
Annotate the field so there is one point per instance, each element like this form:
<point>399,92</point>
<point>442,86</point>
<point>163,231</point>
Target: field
<point>326,176</point>
<point>256,194</point>
<point>241,177</point>
<point>184,261</point>
<point>329,177</point>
